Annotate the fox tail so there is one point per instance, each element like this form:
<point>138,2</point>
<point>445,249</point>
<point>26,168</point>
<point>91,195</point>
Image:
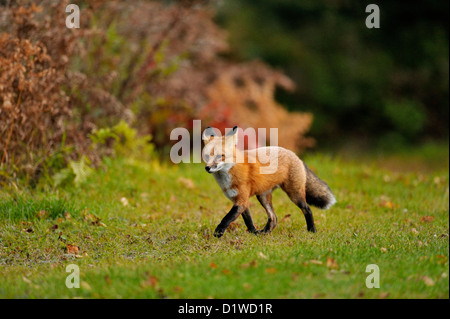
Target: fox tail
<point>318,193</point>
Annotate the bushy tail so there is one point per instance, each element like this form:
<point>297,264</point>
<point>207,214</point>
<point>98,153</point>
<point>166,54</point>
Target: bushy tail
<point>318,193</point>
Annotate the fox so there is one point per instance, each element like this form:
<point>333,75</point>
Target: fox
<point>240,175</point>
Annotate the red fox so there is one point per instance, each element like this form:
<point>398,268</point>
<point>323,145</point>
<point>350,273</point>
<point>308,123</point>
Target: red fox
<point>240,175</point>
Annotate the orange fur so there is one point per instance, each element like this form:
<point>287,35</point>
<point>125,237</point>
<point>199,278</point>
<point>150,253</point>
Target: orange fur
<point>243,174</point>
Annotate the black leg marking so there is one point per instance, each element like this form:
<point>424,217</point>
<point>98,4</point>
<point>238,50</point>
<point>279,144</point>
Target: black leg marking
<point>308,216</point>
<point>227,220</point>
<point>248,221</point>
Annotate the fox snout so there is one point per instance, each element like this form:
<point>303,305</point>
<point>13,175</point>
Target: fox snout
<point>208,168</point>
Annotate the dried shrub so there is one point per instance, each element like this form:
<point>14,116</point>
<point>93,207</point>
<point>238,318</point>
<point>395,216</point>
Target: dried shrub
<point>45,106</point>
<point>152,65</point>
<point>34,58</point>
<point>245,95</point>
<point>174,73</point>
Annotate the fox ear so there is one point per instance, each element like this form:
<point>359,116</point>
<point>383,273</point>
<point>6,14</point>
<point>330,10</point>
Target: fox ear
<point>233,131</point>
<point>208,134</point>
<point>232,135</point>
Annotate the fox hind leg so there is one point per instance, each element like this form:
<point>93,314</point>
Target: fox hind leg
<point>248,221</point>
<point>308,216</point>
<point>265,200</point>
<point>300,200</point>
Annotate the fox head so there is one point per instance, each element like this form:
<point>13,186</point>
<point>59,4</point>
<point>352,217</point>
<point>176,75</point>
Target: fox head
<point>219,151</point>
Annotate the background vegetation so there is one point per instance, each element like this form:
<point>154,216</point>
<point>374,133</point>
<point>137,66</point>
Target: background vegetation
<point>378,87</point>
<point>85,122</point>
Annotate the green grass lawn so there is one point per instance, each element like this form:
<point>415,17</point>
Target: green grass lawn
<point>136,230</point>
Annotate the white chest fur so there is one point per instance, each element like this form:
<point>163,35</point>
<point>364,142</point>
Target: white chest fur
<point>224,179</point>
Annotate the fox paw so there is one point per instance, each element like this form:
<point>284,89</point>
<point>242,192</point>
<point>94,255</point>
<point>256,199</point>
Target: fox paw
<point>312,229</point>
<point>219,232</point>
<point>262,232</point>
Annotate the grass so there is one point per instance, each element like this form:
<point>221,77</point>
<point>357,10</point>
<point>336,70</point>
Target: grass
<point>136,230</point>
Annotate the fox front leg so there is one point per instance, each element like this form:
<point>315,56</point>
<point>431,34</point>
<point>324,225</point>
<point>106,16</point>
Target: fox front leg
<point>228,219</point>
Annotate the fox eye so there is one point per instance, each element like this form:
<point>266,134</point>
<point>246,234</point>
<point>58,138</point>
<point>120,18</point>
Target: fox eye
<point>219,157</point>
<point>206,157</point>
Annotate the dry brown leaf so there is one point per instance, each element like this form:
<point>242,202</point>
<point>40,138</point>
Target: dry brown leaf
<point>71,249</point>
<point>331,263</point>
<point>384,295</point>
<point>253,264</point>
<point>153,281</point>
<point>85,285</point>
<point>428,281</point>
<point>387,204</point>
<point>213,265</point>
<point>271,270</point>
<point>188,183</point>
<point>42,214</point>
<point>178,289</point>
<point>426,219</point>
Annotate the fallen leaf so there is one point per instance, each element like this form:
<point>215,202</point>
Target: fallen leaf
<point>316,262</point>
<point>414,231</point>
<point>124,201</point>
<point>262,255</point>
<point>331,263</point>
<point>42,214</point>
<point>178,289</point>
<point>94,220</point>
<point>188,183</point>
<point>426,219</point>
<point>441,259</point>
<point>71,249</point>
<point>234,226</point>
<point>213,265</point>
<point>151,281</point>
<point>85,285</point>
<point>271,270</point>
<point>428,281</point>
<point>383,249</point>
<point>226,271</point>
<point>387,204</point>
<point>285,218</point>
<point>384,295</point>
<point>253,264</point>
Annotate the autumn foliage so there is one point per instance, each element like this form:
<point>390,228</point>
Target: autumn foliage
<point>152,65</point>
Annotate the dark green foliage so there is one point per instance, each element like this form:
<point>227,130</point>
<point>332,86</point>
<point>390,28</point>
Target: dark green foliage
<point>358,82</point>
